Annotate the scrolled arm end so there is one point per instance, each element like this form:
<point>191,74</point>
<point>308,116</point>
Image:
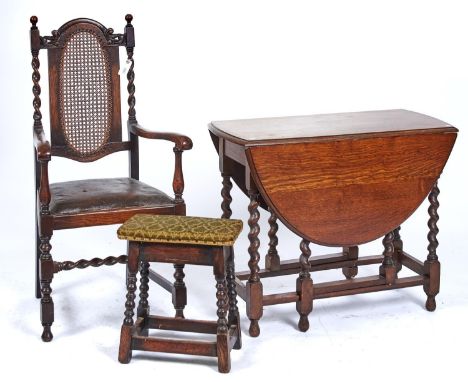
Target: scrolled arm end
<point>42,145</point>
<point>181,142</point>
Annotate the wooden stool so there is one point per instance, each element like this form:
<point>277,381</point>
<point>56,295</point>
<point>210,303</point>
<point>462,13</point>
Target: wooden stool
<point>181,240</point>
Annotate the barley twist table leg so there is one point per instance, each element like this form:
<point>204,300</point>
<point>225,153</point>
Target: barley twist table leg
<point>254,286</point>
<point>432,265</point>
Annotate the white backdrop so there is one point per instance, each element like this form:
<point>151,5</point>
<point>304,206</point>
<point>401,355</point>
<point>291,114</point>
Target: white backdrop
<point>197,61</point>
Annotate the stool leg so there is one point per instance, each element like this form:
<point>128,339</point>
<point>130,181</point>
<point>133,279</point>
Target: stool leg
<point>222,334</point>
<point>143,309</point>
<point>125,349</point>
<point>143,306</point>
<point>233,318</point>
<point>179,293</point>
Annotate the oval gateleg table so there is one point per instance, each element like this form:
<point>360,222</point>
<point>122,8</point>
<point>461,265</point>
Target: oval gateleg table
<point>337,180</point>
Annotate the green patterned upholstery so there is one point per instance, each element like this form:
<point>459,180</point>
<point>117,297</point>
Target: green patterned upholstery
<point>180,230</point>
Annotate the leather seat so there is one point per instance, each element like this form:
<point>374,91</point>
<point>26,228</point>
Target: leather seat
<point>94,195</point>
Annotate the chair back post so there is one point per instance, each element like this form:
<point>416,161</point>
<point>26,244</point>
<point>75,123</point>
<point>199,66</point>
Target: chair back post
<point>130,45</point>
<point>35,63</point>
<point>41,170</point>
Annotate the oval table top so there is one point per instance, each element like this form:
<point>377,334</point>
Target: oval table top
<point>343,179</point>
<point>265,130</point>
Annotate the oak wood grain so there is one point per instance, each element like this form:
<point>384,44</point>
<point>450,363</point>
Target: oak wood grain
<point>338,193</point>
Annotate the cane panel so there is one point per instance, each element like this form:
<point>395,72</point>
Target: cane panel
<point>84,94</point>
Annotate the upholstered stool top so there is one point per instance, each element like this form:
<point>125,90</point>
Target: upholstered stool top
<point>180,229</point>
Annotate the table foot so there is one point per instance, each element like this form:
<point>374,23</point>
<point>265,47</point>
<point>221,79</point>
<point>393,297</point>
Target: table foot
<point>46,333</point>
<point>350,272</point>
<point>303,323</point>
<point>254,329</point>
<point>352,253</point>
<point>431,303</point>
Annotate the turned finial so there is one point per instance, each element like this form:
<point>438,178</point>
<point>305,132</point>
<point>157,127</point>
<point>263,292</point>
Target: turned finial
<point>129,18</point>
<point>33,20</point>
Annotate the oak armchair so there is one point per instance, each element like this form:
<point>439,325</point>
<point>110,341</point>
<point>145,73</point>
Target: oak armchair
<point>85,125</point>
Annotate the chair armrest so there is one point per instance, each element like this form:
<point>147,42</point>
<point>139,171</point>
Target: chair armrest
<point>181,141</point>
<point>42,145</point>
<point>43,152</point>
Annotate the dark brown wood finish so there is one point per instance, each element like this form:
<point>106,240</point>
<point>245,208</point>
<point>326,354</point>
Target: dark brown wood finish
<point>179,293</point>
<point>254,286</point>
<point>272,259</point>
<point>233,317</point>
<point>143,305</point>
<point>398,248</point>
<point>134,333</point>
<point>304,288</point>
<point>318,263</point>
<point>86,124</point>
<point>337,180</point>
<point>388,268</point>
<point>353,254</point>
<point>226,195</point>
<point>432,265</point>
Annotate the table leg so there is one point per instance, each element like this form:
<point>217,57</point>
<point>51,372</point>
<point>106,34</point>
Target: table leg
<point>352,254</point>
<point>432,265</point>
<point>254,288</point>
<point>272,259</point>
<point>388,268</point>
<point>304,287</point>
<point>226,194</point>
<point>398,246</point>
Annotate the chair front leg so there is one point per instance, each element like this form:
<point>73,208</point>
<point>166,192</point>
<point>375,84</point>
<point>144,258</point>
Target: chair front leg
<point>46,264</point>
<point>37,259</point>
<point>178,181</point>
<point>125,348</point>
<point>46,270</point>
<point>37,255</point>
